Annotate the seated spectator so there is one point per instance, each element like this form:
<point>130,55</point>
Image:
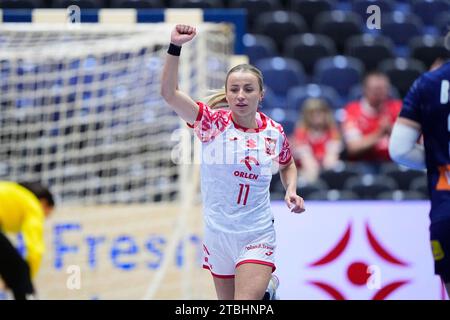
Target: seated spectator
<point>316,141</point>
<point>368,122</point>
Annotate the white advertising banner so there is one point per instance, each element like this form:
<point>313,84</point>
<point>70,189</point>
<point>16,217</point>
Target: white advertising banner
<point>356,250</point>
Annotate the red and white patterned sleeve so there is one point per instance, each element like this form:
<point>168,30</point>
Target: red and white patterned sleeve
<point>209,123</point>
<point>285,155</point>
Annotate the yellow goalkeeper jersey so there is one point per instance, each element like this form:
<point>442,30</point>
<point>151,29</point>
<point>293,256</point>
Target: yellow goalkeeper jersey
<point>21,211</point>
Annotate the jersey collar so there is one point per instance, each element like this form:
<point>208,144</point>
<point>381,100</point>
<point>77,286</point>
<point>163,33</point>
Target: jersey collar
<point>261,124</point>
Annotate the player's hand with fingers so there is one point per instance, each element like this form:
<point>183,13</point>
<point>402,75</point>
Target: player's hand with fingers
<point>182,33</point>
<point>294,202</point>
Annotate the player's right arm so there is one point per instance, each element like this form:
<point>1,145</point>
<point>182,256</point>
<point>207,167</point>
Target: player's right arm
<point>403,143</point>
<point>403,146</point>
<point>180,102</point>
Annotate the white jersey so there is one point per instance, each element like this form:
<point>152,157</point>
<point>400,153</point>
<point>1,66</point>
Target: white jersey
<point>236,169</point>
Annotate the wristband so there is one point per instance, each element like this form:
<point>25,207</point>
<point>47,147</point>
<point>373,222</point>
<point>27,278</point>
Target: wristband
<point>174,50</point>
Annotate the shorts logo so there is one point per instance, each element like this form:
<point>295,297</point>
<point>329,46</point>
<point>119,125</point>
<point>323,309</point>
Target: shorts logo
<point>260,246</point>
<point>208,264</point>
<point>206,259</point>
<point>436,248</point>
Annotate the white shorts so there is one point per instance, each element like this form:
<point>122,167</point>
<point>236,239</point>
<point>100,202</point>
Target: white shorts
<point>224,252</point>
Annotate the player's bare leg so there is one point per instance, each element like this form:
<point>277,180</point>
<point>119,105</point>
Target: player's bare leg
<point>251,281</point>
<point>224,288</point>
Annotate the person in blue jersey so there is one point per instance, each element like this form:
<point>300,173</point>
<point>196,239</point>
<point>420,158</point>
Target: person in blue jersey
<point>426,111</point>
<point>239,235</point>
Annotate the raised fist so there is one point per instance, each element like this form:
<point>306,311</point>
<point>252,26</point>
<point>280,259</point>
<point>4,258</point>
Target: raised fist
<point>181,34</point>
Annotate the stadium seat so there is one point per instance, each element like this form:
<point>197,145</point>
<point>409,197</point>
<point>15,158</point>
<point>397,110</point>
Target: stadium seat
<point>297,95</point>
<point>289,125</point>
<point>274,184</point>
<point>337,177</point>
<point>339,26</point>
<point>428,48</point>
<point>402,72</point>
<point>270,100</point>
<point>401,195</point>
<point>401,27</point>
<point>20,4</point>
<point>281,74</point>
<point>360,6</point>
<point>370,49</point>
<point>279,25</point>
<point>443,23</point>
<point>137,4</point>
<point>369,187</point>
<point>258,46</point>
<point>333,195</point>
<point>339,72</point>
<point>306,190</point>
<point>277,195</point>
<point>307,48</point>
<point>403,176</point>
<point>419,184</point>
<point>203,4</point>
<point>428,10</point>
<point>310,9</point>
<point>254,9</point>
<point>282,115</point>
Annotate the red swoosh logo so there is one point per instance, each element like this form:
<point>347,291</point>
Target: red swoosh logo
<point>249,159</point>
<point>336,251</point>
<point>387,290</point>
<point>333,292</point>
<point>382,252</point>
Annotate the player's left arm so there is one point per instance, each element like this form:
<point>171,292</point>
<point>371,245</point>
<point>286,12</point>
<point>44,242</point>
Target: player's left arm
<point>403,146</point>
<point>288,174</point>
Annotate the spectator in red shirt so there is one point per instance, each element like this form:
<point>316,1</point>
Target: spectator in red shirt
<point>368,122</point>
<point>316,141</point>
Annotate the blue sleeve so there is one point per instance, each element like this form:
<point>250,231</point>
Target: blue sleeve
<point>412,102</point>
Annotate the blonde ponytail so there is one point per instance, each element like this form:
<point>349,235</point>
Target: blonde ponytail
<point>217,99</point>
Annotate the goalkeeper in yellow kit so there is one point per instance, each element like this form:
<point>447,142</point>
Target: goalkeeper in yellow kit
<point>23,208</point>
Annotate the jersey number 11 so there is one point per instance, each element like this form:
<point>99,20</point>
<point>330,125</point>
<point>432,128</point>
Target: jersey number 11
<point>243,193</point>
